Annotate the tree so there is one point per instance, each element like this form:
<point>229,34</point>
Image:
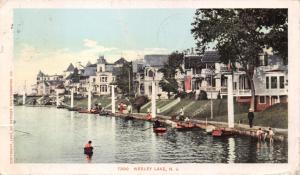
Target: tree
<point>124,78</point>
<point>169,83</point>
<point>239,35</point>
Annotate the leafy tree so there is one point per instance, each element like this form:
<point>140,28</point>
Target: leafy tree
<point>124,78</point>
<point>240,35</point>
<point>169,83</point>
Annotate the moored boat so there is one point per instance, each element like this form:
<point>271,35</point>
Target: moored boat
<point>160,129</point>
<point>222,132</point>
<point>181,126</point>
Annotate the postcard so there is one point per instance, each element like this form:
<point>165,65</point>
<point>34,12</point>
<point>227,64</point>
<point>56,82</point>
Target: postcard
<point>149,87</point>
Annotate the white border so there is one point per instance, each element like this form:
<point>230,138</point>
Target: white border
<point>6,66</point>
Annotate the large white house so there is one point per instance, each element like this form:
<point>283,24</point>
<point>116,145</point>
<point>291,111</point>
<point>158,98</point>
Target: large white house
<point>208,74</point>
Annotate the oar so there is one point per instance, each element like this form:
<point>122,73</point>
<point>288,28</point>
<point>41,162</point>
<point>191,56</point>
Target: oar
<point>22,131</point>
<point>146,129</point>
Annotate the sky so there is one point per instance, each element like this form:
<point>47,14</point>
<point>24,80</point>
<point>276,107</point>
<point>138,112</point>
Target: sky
<point>50,39</point>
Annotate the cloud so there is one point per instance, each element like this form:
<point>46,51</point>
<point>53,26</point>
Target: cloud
<point>93,46</point>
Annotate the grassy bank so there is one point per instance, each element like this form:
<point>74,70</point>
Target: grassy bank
<point>275,117</point>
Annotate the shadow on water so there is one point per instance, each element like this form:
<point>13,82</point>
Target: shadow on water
<point>58,136</point>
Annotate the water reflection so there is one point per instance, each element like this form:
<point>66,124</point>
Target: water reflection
<point>58,136</point>
<point>231,150</point>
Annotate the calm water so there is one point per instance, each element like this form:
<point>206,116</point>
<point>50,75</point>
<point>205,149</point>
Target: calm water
<point>58,136</point>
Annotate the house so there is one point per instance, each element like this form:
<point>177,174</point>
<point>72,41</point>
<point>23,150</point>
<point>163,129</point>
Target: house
<point>270,81</point>
<point>149,73</point>
<point>47,84</point>
<point>209,75</point>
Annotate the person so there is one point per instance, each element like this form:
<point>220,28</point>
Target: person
<point>186,119</point>
<point>88,150</point>
<point>148,116</point>
<point>271,134</point>
<point>181,115</point>
<point>156,123</point>
<point>250,117</point>
<point>122,108</point>
<point>129,109</point>
<point>138,108</point>
<point>259,134</point>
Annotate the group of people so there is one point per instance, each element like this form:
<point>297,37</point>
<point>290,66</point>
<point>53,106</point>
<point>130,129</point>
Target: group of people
<point>97,108</point>
<point>262,135</point>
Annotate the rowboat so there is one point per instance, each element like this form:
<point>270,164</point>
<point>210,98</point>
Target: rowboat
<point>222,132</point>
<point>186,126</point>
<point>160,129</point>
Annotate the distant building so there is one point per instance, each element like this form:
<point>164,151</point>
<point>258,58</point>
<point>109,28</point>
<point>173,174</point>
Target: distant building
<point>47,84</point>
<point>149,73</point>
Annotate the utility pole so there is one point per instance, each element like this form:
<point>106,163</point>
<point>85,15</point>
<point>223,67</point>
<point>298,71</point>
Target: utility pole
<point>129,81</point>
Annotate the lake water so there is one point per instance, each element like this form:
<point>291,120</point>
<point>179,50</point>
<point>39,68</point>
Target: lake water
<point>58,136</point>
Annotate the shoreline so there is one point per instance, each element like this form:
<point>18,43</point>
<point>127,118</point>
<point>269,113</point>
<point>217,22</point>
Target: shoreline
<point>239,129</point>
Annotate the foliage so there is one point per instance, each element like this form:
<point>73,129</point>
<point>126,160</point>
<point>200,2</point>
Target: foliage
<point>169,83</point>
<point>240,35</point>
<point>124,78</point>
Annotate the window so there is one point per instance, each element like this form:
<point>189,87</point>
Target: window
<point>103,79</point>
<point>281,82</point>
<point>94,80</point>
<point>267,82</point>
<point>100,69</point>
<point>262,99</point>
<point>273,82</point>
<point>234,85</point>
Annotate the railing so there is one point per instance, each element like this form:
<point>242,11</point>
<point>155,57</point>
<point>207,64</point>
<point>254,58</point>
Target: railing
<point>209,89</point>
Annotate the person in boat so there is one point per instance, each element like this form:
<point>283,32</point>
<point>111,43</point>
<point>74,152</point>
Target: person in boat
<point>129,109</point>
<point>122,107</point>
<point>156,123</point>
<point>250,117</point>
<point>186,119</point>
<point>148,116</point>
<point>88,150</point>
<point>181,114</point>
<point>99,107</point>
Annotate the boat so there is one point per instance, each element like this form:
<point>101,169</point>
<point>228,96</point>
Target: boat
<point>60,106</point>
<point>88,112</point>
<point>222,132</point>
<point>104,113</point>
<point>186,126</point>
<point>128,117</point>
<point>160,129</point>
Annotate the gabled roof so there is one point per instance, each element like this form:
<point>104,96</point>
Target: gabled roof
<point>109,67</point>
<point>211,57</point>
<point>89,71</point>
<point>70,68</point>
<point>88,63</point>
<point>121,61</point>
<point>156,60</point>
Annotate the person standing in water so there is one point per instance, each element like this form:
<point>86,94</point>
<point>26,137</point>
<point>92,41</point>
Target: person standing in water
<point>88,151</point>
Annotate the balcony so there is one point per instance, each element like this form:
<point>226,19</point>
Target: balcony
<point>237,92</point>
